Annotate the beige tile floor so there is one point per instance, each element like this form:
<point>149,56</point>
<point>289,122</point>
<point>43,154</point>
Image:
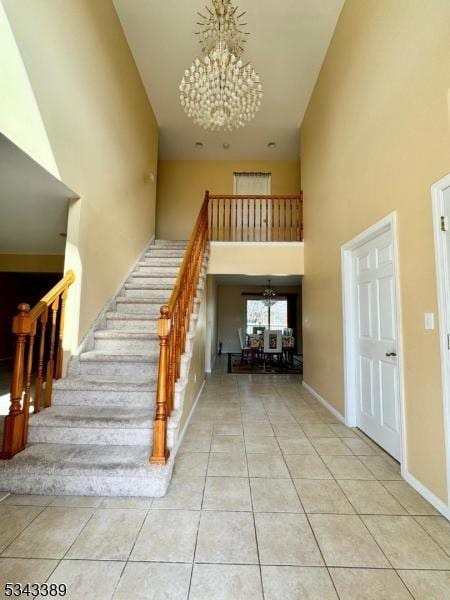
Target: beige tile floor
<point>271,498</point>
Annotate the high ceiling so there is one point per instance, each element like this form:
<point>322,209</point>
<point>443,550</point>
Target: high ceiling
<point>287,45</point>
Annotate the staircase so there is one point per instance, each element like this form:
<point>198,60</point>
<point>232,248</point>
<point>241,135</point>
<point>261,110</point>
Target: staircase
<point>96,437</point>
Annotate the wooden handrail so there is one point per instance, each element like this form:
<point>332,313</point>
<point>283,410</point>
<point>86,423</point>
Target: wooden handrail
<point>256,197</point>
<point>187,256</point>
<point>62,285</point>
<point>173,326</point>
<point>25,326</point>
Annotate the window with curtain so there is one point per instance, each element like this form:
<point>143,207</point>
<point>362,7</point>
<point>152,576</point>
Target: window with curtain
<point>252,183</point>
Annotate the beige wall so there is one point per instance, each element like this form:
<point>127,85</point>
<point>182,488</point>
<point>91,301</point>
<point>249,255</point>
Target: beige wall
<point>231,313</point>
<point>196,375</point>
<point>182,185</point>
<point>32,263</point>
<point>20,119</point>
<point>103,134</point>
<point>374,139</point>
<point>211,322</point>
<point>244,258</point>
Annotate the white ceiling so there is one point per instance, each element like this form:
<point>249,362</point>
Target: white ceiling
<point>33,204</point>
<point>287,45</point>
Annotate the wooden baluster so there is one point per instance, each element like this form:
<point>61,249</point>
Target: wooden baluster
<point>210,220</point>
<point>40,370</point>
<point>266,238</point>
<point>51,361</point>
<point>279,221</point>
<point>272,219</point>
<point>241,220</point>
<point>248,221</point>
<point>60,351</point>
<point>292,230</point>
<point>14,423</point>
<point>28,371</point>
<point>224,220</point>
<point>160,453</point>
<point>208,214</point>
<point>171,365</point>
<point>179,336</point>
<point>173,350</point>
<point>288,220</point>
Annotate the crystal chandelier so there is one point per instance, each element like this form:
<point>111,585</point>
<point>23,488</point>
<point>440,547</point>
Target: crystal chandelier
<point>219,91</point>
<point>269,295</point>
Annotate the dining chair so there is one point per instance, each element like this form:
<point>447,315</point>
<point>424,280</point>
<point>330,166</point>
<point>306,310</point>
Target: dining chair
<point>271,349</point>
<point>244,348</point>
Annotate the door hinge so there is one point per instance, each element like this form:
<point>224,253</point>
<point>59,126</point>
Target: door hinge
<point>448,341</point>
<point>444,223</point>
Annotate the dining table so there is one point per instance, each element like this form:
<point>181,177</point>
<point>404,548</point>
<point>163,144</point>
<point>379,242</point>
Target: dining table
<point>255,343</point>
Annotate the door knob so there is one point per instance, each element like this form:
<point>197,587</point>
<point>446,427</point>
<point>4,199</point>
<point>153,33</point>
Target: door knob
<point>391,353</point>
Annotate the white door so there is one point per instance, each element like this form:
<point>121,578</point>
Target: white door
<point>441,218</point>
<point>377,372</point>
<point>445,266</point>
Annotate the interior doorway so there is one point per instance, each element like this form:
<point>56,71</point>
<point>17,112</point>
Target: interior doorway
<point>373,357</point>
<point>242,317</point>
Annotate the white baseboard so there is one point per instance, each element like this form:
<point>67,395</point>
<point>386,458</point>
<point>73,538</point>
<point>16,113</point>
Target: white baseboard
<point>188,420</point>
<point>421,489</point>
<point>436,502</point>
<point>328,406</point>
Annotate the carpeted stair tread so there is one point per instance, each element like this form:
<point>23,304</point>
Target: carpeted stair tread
<point>93,417</point>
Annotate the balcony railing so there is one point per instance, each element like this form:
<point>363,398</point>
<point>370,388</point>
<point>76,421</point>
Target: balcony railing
<point>255,218</point>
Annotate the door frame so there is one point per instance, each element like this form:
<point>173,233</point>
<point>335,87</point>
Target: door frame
<point>442,284</point>
<point>388,223</point>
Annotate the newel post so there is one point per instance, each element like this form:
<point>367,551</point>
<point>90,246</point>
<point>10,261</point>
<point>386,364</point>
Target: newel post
<point>160,452</point>
<point>14,425</point>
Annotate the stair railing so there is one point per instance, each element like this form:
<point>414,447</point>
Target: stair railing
<point>222,218</point>
<point>43,324</point>
<point>173,325</point>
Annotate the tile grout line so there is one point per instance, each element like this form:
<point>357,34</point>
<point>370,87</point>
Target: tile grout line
<point>254,520</point>
<point>22,530</point>
<point>127,561</point>
<point>198,525</point>
<point>360,520</point>
<point>314,535</point>
<point>264,401</point>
